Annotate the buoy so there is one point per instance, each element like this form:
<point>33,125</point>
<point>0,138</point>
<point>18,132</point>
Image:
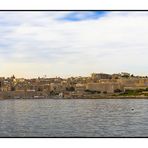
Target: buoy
<point>132,109</point>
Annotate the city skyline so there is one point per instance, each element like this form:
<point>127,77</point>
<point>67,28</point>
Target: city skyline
<point>73,43</point>
<point>130,75</point>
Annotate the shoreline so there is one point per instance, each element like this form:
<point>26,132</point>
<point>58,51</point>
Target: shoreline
<point>86,98</point>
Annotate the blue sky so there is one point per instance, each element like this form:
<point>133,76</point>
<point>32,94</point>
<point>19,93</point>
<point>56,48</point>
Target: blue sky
<point>81,16</point>
<point>70,43</point>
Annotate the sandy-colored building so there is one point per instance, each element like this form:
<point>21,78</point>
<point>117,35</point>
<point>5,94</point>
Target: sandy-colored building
<point>80,87</point>
<point>104,87</point>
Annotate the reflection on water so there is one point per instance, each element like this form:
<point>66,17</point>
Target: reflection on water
<point>74,118</point>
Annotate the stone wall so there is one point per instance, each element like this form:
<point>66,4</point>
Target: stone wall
<point>20,94</point>
<point>104,87</point>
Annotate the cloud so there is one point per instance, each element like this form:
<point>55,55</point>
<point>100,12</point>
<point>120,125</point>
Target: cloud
<point>73,43</point>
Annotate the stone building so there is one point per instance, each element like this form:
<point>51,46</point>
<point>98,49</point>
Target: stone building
<point>80,87</point>
<point>104,87</point>
<point>96,76</point>
<point>56,87</point>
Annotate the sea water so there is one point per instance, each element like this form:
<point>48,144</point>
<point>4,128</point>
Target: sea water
<point>74,118</point>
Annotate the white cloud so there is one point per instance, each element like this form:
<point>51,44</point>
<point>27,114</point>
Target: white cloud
<point>37,43</point>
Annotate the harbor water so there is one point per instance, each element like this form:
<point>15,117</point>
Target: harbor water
<point>74,118</point>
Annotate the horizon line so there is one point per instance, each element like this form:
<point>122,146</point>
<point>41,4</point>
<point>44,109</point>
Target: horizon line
<point>65,77</point>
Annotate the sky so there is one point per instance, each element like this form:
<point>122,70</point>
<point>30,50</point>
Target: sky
<point>73,43</point>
